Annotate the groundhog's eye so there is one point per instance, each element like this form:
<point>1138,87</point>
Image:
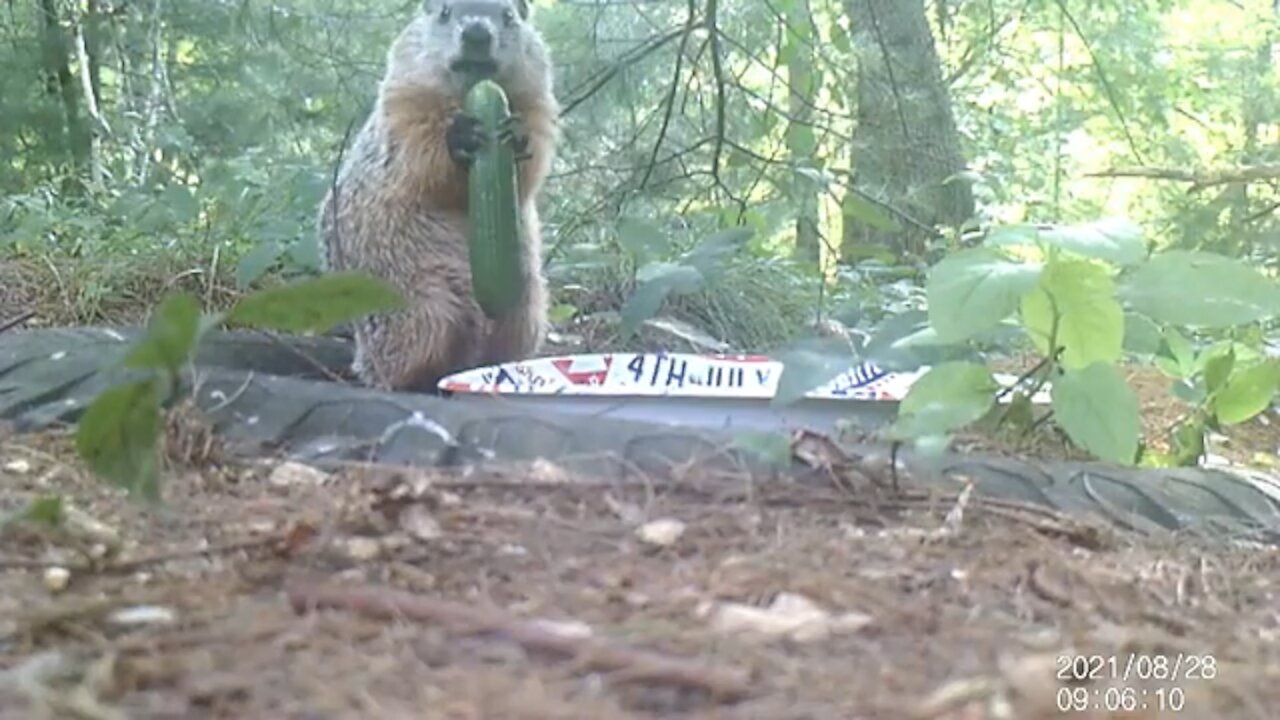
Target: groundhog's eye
<point>445,13</point>
<point>509,17</point>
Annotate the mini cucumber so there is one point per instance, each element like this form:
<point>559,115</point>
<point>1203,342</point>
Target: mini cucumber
<point>494,243</point>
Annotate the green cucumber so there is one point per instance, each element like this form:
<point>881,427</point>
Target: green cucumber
<point>496,276</point>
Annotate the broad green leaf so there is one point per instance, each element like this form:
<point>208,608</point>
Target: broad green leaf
<point>1187,440</point>
<point>1012,236</point>
<point>1098,411</point>
<point>171,336</point>
<point>680,278</point>
<point>801,140</point>
<point>562,313</point>
<point>1218,364</point>
<point>1180,353</point>
<point>305,253</point>
<point>1247,392</point>
<point>180,203</point>
<point>1188,390</point>
<point>316,305</point>
<point>973,290</point>
<point>643,304</point>
<point>855,207</point>
<point>711,255</point>
<point>256,263</point>
<point>1141,335</point>
<point>946,398</point>
<point>1090,322</point>
<point>904,342</point>
<point>810,363</point>
<point>1115,240</point>
<point>644,241</point>
<point>930,446</point>
<point>1200,289</point>
<point>656,281</point>
<point>116,436</point>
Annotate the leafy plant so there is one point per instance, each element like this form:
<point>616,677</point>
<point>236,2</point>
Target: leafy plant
<point>683,273</point>
<point>1083,295</point>
<point>1071,295</point>
<point>118,432</point>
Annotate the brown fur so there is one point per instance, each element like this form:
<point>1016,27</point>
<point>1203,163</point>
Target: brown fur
<point>401,205</point>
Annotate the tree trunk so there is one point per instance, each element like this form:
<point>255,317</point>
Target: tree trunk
<point>797,44</point>
<point>906,148</point>
<point>58,81</point>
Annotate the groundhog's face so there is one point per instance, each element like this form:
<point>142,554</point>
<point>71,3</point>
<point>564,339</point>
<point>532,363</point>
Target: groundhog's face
<point>479,37</point>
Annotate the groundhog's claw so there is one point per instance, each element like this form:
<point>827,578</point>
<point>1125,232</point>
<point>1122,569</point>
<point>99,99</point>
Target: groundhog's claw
<point>464,138</point>
<point>513,132</point>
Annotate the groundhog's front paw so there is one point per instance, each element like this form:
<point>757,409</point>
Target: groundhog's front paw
<point>464,138</point>
<point>513,132</point>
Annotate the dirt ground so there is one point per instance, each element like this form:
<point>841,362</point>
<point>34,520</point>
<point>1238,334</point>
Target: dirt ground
<point>270,590</point>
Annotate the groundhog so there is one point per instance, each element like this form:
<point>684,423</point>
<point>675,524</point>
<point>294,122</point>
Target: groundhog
<point>400,196</point>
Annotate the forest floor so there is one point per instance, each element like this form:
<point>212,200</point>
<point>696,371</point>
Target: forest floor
<point>266,589</point>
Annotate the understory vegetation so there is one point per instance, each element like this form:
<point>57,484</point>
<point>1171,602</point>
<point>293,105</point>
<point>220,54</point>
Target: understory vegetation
<point>1092,185</point>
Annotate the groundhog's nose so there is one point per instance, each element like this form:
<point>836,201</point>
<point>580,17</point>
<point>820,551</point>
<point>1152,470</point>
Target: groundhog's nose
<point>476,36</point>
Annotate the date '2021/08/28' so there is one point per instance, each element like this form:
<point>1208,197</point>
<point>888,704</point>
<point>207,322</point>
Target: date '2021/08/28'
<point>1088,679</point>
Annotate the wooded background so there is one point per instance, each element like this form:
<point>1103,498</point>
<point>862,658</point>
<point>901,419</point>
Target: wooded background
<point>865,138</point>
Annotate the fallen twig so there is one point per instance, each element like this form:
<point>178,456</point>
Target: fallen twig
<point>591,654</point>
<point>16,321</point>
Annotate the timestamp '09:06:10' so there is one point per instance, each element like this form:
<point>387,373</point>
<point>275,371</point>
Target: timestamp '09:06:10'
<point>1114,699</point>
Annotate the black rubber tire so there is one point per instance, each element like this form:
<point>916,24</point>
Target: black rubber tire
<point>285,397</point>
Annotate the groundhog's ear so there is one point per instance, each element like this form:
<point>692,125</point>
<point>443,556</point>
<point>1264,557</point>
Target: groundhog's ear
<point>522,7</point>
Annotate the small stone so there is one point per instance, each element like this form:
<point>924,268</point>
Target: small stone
<point>18,467</point>
<point>418,522</point>
<point>363,548</point>
<point>143,615</point>
<point>662,533</point>
<point>295,473</point>
<point>566,628</point>
<point>56,579</point>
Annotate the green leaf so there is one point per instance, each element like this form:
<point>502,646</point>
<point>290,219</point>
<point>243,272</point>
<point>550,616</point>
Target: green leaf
<point>256,263</point>
<point>1141,335</point>
<point>562,313</point>
<point>1217,367</point>
<point>305,254</point>
<point>657,280</point>
<point>1098,411</point>
<point>642,240</point>
<point>316,305</point>
<point>904,341</point>
<point>1090,321</point>
<point>1247,392</point>
<point>1178,349</point>
<point>973,290</point>
<point>710,256</point>
<point>808,364</point>
<point>1115,240</point>
<point>946,398</point>
<point>116,436</point>
<point>1187,440</point>
<point>855,207</point>
<point>1200,289</point>
<point>171,336</point>
<point>1012,236</point>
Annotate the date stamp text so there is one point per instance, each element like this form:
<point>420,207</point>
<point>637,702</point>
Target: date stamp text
<point>1136,667</point>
